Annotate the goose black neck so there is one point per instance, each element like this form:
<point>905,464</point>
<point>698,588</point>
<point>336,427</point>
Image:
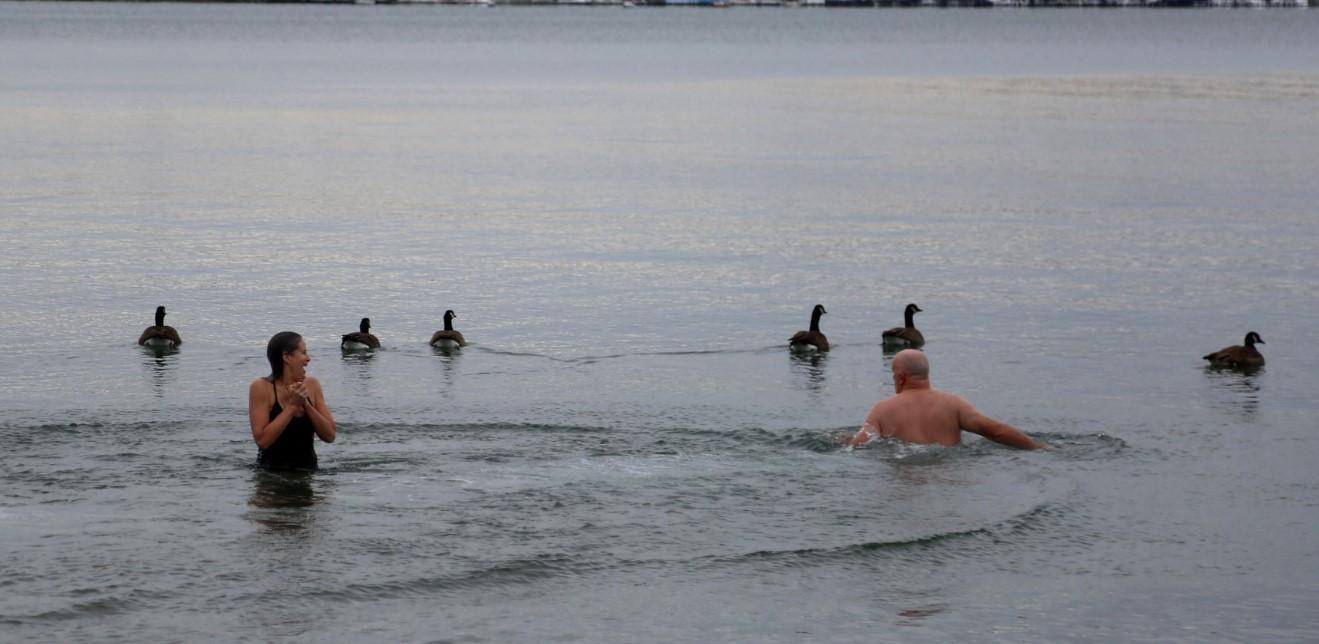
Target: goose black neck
<point>815,321</point>
<point>907,316</point>
<point>448,323</point>
<point>160,318</point>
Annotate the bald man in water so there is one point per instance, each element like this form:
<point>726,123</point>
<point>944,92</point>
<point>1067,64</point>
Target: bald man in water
<point>919,413</point>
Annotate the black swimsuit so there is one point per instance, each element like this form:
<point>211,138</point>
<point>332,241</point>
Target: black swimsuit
<point>293,449</point>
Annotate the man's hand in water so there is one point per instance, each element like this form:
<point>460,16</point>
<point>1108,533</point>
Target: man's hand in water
<point>864,435</point>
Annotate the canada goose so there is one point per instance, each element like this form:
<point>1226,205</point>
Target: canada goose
<point>811,340</point>
<point>906,335</point>
<point>1239,356</point>
<point>362,339</point>
<point>160,336</point>
<point>448,338</point>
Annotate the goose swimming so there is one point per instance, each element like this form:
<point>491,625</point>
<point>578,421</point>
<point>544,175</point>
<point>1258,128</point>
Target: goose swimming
<point>906,335</point>
<point>160,336</point>
<point>811,340</point>
<point>1239,356</point>
<point>362,339</point>
<point>448,338</point>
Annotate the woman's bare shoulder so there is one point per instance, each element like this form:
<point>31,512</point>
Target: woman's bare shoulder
<point>260,384</point>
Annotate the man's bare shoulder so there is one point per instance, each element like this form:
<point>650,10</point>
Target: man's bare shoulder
<point>948,397</point>
<point>949,401</point>
<point>894,402</point>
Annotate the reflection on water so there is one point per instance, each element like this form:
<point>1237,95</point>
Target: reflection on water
<point>915,466</point>
<point>914,476</point>
<point>1237,389</point>
<point>448,359</point>
<point>161,365</point>
<point>282,501</point>
<point>286,506</point>
<point>808,369</point>
<point>358,363</point>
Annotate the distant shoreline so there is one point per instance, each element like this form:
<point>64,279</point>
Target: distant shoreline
<point>854,4</point>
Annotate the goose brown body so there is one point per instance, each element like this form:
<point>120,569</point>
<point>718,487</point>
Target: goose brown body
<point>812,338</point>
<point>160,334</point>
<point>907,335</point>
<point>1239,355</point>
<point>361,337</point>
<point>448,335</point>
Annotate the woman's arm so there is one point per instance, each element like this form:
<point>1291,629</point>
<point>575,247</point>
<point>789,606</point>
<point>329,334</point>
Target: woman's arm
<point>319,413</point>
<point>264,429</point>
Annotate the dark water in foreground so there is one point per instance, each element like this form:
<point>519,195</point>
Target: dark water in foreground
<point>631,212</point>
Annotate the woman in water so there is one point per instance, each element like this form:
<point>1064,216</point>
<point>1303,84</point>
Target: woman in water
<point>287,408</point>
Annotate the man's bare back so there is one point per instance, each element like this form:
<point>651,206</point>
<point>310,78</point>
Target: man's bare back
<point>919,416</point>
<point>918,413</point>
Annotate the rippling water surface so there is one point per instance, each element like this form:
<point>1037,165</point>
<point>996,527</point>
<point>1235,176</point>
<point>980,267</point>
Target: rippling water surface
<point>631,211</point>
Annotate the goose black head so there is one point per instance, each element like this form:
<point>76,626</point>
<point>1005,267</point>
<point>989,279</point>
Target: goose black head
<point>365,326</point>
<point>160,316</point>
<point>1253,338</point>
<point>908,314</point>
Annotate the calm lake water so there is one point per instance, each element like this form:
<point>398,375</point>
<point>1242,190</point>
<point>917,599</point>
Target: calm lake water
<point>630,212</point>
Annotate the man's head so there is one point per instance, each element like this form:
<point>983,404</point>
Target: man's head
<point>910,369</point>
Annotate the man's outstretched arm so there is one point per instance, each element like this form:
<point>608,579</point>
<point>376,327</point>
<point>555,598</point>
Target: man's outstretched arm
<point>977,423</point>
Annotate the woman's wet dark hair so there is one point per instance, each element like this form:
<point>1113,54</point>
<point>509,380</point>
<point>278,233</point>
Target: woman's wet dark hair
<point>280,344</point>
